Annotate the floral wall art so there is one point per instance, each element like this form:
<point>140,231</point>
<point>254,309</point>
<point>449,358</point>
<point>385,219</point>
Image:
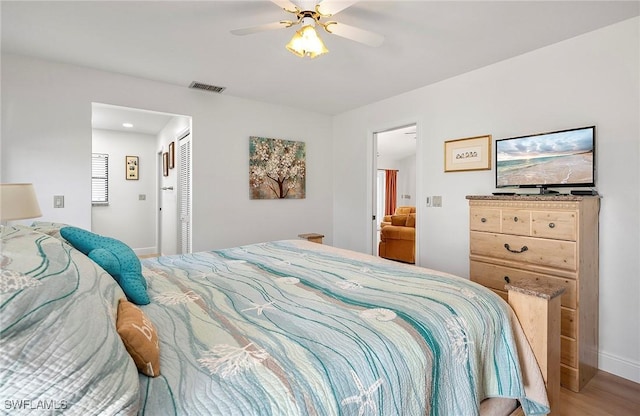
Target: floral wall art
<point>277,168</point>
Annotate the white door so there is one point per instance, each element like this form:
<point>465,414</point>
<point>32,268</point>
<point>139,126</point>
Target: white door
<point>375,221</point>
<point>380,192</point>
<point>159,204</point>
<point>184,194</point>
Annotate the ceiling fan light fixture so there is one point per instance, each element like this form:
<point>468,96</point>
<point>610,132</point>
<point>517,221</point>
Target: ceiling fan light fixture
<point>306,42</point>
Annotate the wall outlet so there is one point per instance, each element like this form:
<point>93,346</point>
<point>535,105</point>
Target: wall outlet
<point>437,201</point>
<point>58,201</point>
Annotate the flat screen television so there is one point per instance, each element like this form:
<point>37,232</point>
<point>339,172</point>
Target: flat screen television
<point>563,158</point>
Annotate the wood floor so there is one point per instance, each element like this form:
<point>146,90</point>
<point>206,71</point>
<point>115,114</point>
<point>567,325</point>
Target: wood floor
<point>604,395</point>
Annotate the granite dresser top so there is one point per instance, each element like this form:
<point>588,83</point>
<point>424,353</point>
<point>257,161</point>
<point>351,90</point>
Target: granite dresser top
<point>532,197</point>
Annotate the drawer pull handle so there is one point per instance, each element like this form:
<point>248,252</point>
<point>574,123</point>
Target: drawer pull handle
<point>522,250</point>
<point>483,220</point>
<point>515,219</point>
<point>506,279</point>
<point>552,225</point>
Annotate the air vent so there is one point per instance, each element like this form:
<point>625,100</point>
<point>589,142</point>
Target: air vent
<point>206,87</point>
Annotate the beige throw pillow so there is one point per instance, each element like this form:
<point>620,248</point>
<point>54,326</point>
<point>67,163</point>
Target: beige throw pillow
<point>140,338</point>
<point>411,220</point>
<point>399,219</point>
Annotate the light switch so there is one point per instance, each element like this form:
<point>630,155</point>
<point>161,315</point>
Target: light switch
<point>437,201</point>
<point>58,201</point>
<point>428,201</point>
<point>142,197</point>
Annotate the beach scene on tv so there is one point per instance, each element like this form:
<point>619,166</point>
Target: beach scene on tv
<point>562,158</point>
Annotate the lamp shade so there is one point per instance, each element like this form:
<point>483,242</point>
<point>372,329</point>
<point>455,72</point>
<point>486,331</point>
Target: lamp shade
<point>18,202</point>
<point>306,42</point>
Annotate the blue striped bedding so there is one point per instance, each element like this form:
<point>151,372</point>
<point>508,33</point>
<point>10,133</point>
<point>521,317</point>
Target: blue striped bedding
<point>59,349</point>
<point>279,328</point>
<point>297,328</point>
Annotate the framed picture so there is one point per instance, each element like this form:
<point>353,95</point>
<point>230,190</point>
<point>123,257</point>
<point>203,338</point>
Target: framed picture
<point>473,153</point>
<point>172,155</point>
<point>131,166</point>
<point>165,164</point>
<point>277,168</point>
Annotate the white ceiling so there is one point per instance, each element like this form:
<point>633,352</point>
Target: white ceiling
<point>181,41</point>
<point>397,144</point>
<point>110,117</point>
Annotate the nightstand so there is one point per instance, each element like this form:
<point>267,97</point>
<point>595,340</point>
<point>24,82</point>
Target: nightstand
<point>313,237</point>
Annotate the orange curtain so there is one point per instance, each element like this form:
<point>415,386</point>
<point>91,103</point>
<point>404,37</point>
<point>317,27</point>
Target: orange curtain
<point>391,177</point>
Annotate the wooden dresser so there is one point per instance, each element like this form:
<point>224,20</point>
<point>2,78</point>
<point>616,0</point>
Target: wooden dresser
<point>548,238</point>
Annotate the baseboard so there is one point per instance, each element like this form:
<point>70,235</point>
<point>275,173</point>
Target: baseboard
<point>619,366</point>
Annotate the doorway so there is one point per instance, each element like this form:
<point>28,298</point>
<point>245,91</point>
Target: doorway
<point>133,212</point>
<point>395,150</point>
<point>174,199</point>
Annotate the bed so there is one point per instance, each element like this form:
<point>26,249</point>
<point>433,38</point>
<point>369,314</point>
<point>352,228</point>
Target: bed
<point>275,328</point>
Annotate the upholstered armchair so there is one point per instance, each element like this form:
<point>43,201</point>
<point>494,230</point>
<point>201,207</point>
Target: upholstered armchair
<point>398,235</point>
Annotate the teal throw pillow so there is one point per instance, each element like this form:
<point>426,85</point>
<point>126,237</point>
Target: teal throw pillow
<point>115,257</point>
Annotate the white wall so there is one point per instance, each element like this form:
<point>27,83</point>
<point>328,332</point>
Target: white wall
<point>128,218</point>
<point>590,79</point>
<point>406,180</point>
<point>46,139</point>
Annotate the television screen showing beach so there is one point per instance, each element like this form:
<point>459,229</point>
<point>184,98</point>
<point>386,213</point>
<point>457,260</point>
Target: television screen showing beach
<point>563,158</point>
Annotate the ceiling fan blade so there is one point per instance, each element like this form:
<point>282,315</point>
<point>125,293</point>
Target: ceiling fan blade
<point>331,7</point>
<point>355,34</point>
<point>285,4</point>
<point>262,28</point>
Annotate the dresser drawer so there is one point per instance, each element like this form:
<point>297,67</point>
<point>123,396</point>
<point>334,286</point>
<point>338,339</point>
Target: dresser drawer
<point>569,378</point>
<point>494,277</point>
<point>484,219</point>
<point>560,225</point>
<point>568,351</point>
<point>538,251</point>
<point>568,323</point>
<point>516,221</point>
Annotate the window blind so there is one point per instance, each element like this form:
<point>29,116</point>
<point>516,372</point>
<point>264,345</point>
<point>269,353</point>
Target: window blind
<point>99,179</point>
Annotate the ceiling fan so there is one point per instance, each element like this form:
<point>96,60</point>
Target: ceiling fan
<point>308,14</point>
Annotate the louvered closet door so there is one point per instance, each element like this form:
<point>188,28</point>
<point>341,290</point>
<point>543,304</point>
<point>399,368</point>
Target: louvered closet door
<point>184,184</point>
